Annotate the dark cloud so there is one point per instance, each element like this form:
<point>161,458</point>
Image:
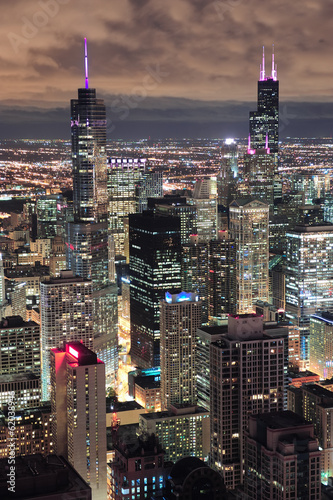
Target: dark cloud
<point>206,50</point>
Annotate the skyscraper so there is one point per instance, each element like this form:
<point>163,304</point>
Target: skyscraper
<point>66,309</point>
<point>247,375</point>
<point>309,280</point>
<point>180,319</point>
<point>195,271</point>
<point>264,123</point>
<point>78,410</point>
<point>222,277</point>
<point>87,237</point>
<point>155,267</point>
<point>249,229</point>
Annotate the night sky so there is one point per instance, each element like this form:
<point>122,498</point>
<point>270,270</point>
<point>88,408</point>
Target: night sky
<point>168,68</point>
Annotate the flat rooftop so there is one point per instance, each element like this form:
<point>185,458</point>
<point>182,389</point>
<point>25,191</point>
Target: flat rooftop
<point>281,419</point>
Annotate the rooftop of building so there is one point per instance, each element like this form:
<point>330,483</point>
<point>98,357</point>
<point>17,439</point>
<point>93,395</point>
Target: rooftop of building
<point>119,406</point>
<point>16,322</point>
<point>318,391</point>
<point>148,382</point>
<point>214,330</point>
<point>312,228</point>
<point>18,377</point>
<point>176,410</point>
<point>140,447</point>
<point>38,477</point>
<point>79,354</point>
<point>305,374</point>
<point>65,277</point>
<point>280,419</point>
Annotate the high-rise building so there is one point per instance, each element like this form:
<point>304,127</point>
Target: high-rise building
<point>137,471</point>
<point>259,175</point>
<point>182,431</point>
<point>282,458</point>
<point>321,344</point>
<point>124,174</point>
<point>317,408</point>
<point>66,315</point>
<point>155,266</point>
<point>249,228</point>
<point>87,236</point>
<point>308,278</point>
<point>205,200</point>
<point>264,123</point>
<point>177,207</point>
<point>221,277</point>
<point>180,319</point>
<point>247,375</point>
<point>78,409</point>
<point>204,338</point>
<point>20,346</point>
<point>195,271</point>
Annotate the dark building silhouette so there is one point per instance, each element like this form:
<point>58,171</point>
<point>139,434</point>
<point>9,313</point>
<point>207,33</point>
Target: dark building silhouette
<point>155,264</point>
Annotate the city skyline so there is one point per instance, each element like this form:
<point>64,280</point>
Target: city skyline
<point>184,72</point>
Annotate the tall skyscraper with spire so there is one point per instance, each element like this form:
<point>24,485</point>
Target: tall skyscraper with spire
<point>87,237</point>
<point>264,123</point>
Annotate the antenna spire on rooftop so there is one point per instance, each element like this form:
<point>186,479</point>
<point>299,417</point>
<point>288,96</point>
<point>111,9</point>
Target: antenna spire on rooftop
<point>86,63</point>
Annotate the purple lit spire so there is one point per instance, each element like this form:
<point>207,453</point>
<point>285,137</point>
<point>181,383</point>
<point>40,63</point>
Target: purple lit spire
<point>266,142</point>
<point>274,69</point>
<point>262,66</point>
<point>86,62</point>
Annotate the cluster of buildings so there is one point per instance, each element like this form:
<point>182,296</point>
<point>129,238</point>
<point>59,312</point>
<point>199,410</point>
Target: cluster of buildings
<point>225,305</point>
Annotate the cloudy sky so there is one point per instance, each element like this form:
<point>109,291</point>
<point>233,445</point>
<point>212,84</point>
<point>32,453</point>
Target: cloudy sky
<point>165,67</point>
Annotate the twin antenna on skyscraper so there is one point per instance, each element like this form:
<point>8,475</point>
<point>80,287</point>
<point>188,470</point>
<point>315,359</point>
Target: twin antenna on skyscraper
<point>262,67</point>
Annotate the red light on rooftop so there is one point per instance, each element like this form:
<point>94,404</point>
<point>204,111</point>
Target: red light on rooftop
<point>73,352</point>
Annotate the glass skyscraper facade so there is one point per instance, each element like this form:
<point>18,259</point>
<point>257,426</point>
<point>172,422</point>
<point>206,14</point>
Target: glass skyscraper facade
<point>155,267</point>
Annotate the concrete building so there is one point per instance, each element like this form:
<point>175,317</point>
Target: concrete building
<point>248,369</point>
<point>282,458</point>
<point>180,318</point>
<point>66,314</point>
<point>182,431</point>
<point>321,344</point>
<point>78,410</point>
<point>43,478</point>
<point>137,471</point>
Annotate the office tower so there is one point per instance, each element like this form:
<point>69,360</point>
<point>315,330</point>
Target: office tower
<point>247,367</point>
<point>317,408</point>
<point>66,314</point>
<point>229,155</point>
<point>26,388</point>
<point>186,480</point>
<point>124,174</point>
<point>3,301</point>
<point>227,176</point>
<point>205,200</point>
<point>309,281</point>
<point>32,432</point>
<point>264,123</point>
<point>147,392</point>
<point>20,346</point>
<point>204,338</point>
<point>155,264</point>
<point>321,344</point>
<point>87,236</point>
<point>177,207</point>
<point>282,458</point>
<point>18,300</point>
<point>78,409</point>
<point>46,210</point>
<point>195,271</point>
<point>221,277</point>
<point>249,229</point>
<point>259,175</point>
<point>57,256</point>
<point>137,471</point>
<point>182,431</point>
<point>151,186</point>
<point>43,478</point>
<point>180,318</point>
